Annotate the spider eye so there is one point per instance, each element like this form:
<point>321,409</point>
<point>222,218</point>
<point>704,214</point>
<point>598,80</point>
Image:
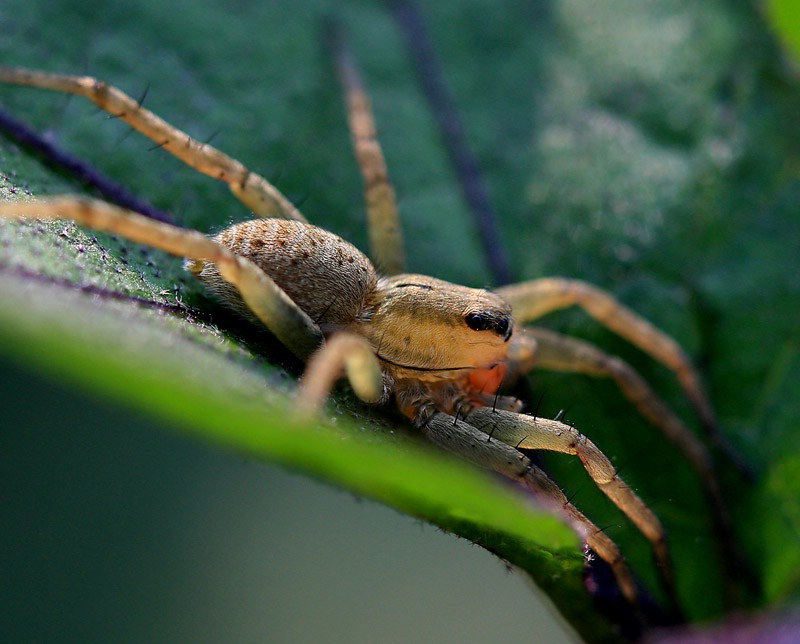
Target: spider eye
<point>500,324</point>
<point>478,322</point>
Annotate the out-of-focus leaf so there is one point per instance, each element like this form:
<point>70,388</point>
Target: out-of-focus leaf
<point>785,18</point>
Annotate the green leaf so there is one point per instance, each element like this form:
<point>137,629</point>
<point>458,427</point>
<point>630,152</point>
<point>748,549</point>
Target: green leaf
<point>785,18</point>
<point>649,148</point>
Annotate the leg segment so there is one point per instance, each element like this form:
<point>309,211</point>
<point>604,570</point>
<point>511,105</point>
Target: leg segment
<point>549,350</point>
<point>534,299</point>
<point>255,192</point>
<point>385,234</point>
<point>265,298</point>
<point>558,352</point>
<point>531,300</point>
<point>527,432</point>
<point>468,442</point>
<point>343,352</point>
<point>561,353</point>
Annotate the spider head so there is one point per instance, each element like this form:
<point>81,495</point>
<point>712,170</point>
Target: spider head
<point>431,326</point>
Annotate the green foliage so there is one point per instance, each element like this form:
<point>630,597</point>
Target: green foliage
<point>785,18</point>
<point>650,148</point>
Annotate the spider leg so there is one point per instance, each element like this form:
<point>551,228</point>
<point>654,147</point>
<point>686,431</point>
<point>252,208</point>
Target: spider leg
<point>255,192</point>
<point>385,233</point>
<point>265,298</point>
<point>343,352</point>
<point>531,300</point>
<point>471,443</point>
<point>542,348</point>
<point>558,352</point>
<point>527,432</point>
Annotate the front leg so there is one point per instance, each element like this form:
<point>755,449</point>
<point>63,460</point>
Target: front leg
<point>527,432</point>
<point>472,444</point>
<point>536,298</point>
<point>535,347</point>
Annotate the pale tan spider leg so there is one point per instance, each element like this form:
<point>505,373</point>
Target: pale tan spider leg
<point>542,348</point>
<point>385,232</point>
<point>527,432</point>
<point>473,444</point>
<point>531,300</point>
<point>265,298</point>
<point>343,352</point>
<point>558,352</point>
<point>255,192</point>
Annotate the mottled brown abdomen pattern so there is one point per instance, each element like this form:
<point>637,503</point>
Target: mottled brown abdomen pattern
<point>329,278</point>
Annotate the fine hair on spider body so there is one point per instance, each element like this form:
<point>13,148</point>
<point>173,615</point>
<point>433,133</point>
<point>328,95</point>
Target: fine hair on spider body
<point>440,350</point>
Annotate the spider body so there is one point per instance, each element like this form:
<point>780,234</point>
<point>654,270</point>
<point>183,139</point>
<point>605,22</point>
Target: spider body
<point>440,346</point>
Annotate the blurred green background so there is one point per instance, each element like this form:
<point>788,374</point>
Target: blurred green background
<point>650,148</point>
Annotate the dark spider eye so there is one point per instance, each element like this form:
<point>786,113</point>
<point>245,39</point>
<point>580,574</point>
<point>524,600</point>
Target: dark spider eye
<point>478,322</point>
<point>500,324</point>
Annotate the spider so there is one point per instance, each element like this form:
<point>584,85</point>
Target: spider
<point>441,350</point>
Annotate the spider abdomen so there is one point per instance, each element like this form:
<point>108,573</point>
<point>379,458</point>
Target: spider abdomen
<point>327,277</point>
